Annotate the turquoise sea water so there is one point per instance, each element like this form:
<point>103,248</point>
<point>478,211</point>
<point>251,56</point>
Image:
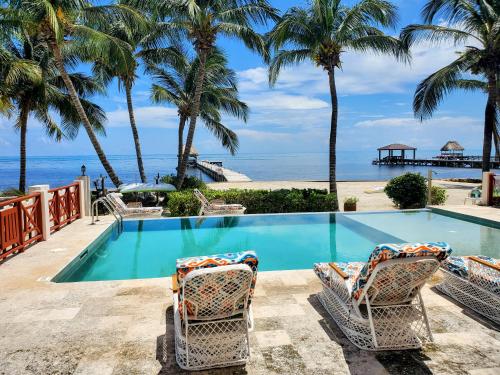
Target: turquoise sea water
<point>149,248</point>
<point>351,165</point>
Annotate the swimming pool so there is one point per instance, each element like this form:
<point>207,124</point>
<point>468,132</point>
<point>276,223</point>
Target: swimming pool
<point>149,248</point>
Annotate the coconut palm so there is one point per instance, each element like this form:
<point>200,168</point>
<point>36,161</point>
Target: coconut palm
<point>202,21</point>
<point>176,85</point>
<point>322,32</point>
<point>476,22</point>
<point>77,23</point>
<point>145,42</point>
<point>41,94</point>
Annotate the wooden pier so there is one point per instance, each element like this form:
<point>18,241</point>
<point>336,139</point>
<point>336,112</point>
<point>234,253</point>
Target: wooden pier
<point>219,173</point>
<point>463,162</point>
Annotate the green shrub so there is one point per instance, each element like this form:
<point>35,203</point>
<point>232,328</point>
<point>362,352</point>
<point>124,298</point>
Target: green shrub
<point>438,195</point>
<point>190,182</point>
<point>183,203</point>
<point>11,192</point>
<point>408,190</point>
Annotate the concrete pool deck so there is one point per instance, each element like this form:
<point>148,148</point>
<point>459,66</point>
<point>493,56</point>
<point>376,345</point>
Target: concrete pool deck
<point>118,327</point>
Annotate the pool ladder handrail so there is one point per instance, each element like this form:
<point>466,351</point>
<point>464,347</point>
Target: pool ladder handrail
<point>109,205</point>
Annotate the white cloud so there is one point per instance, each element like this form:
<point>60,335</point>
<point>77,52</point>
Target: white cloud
<point>148,116</point>
<point>263,135</point>
<point>277,100</point>
<point>443,121</point>
<point>4,142</point>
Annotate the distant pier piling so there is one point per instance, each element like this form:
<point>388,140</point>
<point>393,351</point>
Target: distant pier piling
<point>220,174</point>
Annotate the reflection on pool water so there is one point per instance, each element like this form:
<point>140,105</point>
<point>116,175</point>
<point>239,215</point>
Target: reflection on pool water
<point>149,248</point>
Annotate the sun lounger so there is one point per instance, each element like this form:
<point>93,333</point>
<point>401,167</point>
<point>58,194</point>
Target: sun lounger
<point>475,282</point>
<point>217,207</point>
<point>377,304</point>
<point>212,314</point>
<point>121,207</point>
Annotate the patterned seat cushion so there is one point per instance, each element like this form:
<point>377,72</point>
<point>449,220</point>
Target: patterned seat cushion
<point>351,269</point>
<point>385,252</point>
<point>457,265</point>
<point>185,265</point>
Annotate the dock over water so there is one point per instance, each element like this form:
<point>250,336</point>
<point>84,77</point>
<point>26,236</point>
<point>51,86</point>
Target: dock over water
<point>465,162</point>
<point>218,173</point>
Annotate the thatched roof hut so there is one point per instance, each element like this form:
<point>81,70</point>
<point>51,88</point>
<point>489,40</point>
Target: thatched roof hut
<point>452,146</point>
<point>396,147</point>
<point>193,152</point>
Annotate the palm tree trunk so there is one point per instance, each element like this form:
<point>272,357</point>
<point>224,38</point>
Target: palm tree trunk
<point>23,127</point>
<point>83,116</point>
<point>135,133</point>
<point>181,173</point>
<point>489,123</point>
<point>333,134</point>
<point>180,144</point>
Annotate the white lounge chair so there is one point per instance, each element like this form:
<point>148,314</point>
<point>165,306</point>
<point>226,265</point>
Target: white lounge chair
<point>475,282</point>
<point>217,207</point>
<point>121,207</point>
<point>212,313</point>
<point>377,304</point>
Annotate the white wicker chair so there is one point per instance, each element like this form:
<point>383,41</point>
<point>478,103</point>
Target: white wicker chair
<point>121,207</point>
<point>378,304</point>
<point>217,207</point>
<point>474,282</point>
<point>212,314</point>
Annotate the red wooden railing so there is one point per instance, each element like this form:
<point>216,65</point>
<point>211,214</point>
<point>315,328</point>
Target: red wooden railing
<point>20,223</point>
<point>64,205</point>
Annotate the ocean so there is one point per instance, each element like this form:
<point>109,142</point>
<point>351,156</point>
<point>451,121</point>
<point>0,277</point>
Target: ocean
<point>351,166</point>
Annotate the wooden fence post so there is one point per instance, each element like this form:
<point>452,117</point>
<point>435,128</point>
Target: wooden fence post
<point>44,208</point>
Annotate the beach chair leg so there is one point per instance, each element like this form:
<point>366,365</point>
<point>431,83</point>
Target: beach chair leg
<point>424,314</point>
<point>372,324</point>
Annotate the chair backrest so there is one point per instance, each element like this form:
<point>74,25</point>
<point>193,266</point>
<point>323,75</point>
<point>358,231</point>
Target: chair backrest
<point>199,195</point>
<point>216,293</point>
<point>395,272</point>
<point>207,288</point>
<point>117,201</point>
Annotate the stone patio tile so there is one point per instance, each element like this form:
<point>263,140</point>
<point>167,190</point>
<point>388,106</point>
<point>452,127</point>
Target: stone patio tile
<point>46,314</point>
<point>485,371</point>
<point>91,367</point>
<point>272,338</point>
<point>291,279</point>
<point>270,311</point>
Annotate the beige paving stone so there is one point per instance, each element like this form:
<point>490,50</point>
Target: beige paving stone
<point>485,371</point>
<point>46,314</point>
<point>90,367</point>
<point>273,338</point>
<point>270,311</point>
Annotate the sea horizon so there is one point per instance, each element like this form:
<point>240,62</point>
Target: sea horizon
<point>304,166</point>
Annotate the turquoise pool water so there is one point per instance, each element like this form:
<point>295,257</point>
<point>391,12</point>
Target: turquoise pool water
<point>149,248</point>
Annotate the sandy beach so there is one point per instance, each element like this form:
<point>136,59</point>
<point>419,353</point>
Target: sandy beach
<point>370,193</point>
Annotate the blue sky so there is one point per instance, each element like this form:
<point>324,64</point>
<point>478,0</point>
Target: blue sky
<point>375,107</point>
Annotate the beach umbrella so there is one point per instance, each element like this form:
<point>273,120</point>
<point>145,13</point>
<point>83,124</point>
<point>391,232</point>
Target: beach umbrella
<point>145,188</point>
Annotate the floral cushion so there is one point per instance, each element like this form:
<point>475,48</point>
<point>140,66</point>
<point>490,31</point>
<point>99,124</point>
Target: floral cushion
<point>384,252</point>
<point>186,265</point>
<point>457,265</point>
<point>352,270</point>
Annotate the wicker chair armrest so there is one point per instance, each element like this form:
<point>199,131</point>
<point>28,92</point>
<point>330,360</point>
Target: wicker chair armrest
<point>341,273</point>
<point>175,283</point>
<point>484,263</point>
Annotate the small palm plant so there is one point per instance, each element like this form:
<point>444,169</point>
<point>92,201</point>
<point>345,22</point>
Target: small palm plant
<point>175,84</point>
<point>475,22</point>
<point>202,21</point>
<point>42,92</point>
<point>322,32</point>
<point>74,25</point>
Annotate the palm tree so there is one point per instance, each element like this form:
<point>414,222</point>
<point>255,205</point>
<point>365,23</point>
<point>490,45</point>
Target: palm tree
<point>322,33</point>
<point>203,21</point>
<point>45,93</point>
<point>176,85</point>
<point>145,43</point>
<point>474,21</point>
<point>77,24</point>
